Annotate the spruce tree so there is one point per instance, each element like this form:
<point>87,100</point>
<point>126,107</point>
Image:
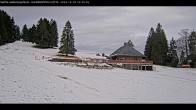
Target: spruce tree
<point>7,28</point>
<point>159,46</point>
<point>46,33</point>
<point>9,22</point>
<point>54,33</point>
<point>192,43</point>
<point>1,40</point>
<point>17,32</point>
<point>3,31</point>
<point>67,40</point>
<point>172,54</point>
<point>38,32</point>
<point>148,46</point>
<point>32,34</point>
<point>24,34</point>
<point>192,49</point>
<point>43,35</point>
<point>12,30</point>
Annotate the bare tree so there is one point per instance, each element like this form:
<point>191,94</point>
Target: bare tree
<point>185,33</point>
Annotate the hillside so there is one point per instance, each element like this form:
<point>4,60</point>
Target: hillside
<point>26,78</point>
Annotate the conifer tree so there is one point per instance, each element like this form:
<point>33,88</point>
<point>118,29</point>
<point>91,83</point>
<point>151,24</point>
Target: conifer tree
<point>38,31</point>
<point>192,42</point>
<point>3,31</point>
<point>172,54</point>
<point>25,33</point>
<point>54,33</point>
<point>7,28</point>
<point>192,49</point>
<point>148,46</point>
<point>46,33</point>
<point>17,32</point>
<point>67,40</point>
<point>32,34</point>
<point>1,40</point>
<point>43,35</point>
<point>159,46</point>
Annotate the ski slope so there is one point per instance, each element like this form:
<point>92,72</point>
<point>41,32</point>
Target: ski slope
<point>27,78</point>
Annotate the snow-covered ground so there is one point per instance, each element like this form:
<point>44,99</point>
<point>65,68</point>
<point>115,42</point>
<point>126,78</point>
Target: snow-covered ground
<point>26,78</point>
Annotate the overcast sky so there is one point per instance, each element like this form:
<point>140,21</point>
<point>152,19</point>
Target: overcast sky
<point>105,29</point>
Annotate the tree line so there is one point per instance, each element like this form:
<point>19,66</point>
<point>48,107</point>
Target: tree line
<point>44,34</point>
<point>158,50</point>
<point>189,57</point>
<point>9,32</point>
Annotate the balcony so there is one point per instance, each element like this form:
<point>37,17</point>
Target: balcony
<point>131,61</point>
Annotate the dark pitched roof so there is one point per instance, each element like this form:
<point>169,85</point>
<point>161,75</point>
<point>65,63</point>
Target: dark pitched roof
<point>127,50</point>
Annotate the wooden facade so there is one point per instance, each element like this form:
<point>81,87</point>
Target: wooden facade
<point>129,58</point>
<point>136,58</point>
<point>132,64</point>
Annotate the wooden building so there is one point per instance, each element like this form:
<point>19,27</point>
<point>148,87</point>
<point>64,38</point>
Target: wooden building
<point>129,58</point>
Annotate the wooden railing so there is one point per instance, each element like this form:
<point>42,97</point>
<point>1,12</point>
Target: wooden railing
<point>104,61</point>
<point>121,61</point>
<point>131,61</point>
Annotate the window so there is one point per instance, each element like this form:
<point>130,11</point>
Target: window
<point>122,58</point>
<point>135,58</point>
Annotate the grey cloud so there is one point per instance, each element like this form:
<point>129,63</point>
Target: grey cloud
<point>105,29</point>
